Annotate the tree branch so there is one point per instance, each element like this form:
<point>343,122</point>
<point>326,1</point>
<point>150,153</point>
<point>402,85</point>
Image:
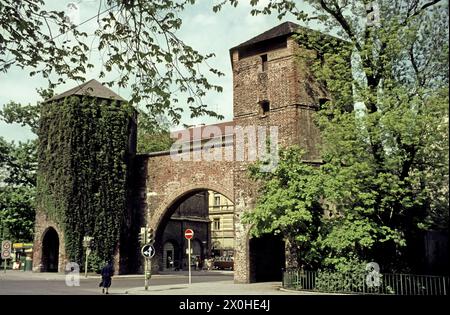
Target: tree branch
<point>416,13</point>
<point>342,21</point>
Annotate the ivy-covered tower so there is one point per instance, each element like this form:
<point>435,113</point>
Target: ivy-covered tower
<point>87,141</point>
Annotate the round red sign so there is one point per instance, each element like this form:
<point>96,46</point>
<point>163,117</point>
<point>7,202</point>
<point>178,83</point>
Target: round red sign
<point>188,234</point>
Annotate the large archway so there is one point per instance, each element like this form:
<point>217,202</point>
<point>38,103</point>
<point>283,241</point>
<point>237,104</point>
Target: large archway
<point>50,251</point>
<point>267,258</point>
<point>207,212</point>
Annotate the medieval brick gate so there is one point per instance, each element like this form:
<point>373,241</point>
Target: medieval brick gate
<point>271,87</point>
<point>168,182</point>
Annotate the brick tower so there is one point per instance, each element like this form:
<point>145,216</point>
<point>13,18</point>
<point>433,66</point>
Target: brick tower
<point>271,87</point>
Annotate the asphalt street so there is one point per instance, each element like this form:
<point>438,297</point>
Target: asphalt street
<point>28,283</point>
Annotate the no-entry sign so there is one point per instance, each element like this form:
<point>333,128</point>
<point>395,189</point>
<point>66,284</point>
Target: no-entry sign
<point>188,234</point>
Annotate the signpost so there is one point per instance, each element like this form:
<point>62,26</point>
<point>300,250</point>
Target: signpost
<point>6,251</point>
<point>148,251</point>
<point>87,243</point>
<point>189,234</point>
<point>147,237</point>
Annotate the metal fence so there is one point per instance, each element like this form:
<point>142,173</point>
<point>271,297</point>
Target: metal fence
<point>396,284</point>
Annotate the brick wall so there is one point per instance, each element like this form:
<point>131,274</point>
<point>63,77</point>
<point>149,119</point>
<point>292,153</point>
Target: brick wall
<point>42,225</point>
<point>293,97</point>
<point>167,182</point>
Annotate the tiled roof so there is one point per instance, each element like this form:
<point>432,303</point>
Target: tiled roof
<point>196,133</point>
<point>283,29</point>
<point>91,88</point>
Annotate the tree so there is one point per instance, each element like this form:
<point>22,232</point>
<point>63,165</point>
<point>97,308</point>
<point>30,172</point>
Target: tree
<point>289,205</point>
<point>17,189</point>
<point>136,40</point>
<point>153,134</point>
<point>385,159</point>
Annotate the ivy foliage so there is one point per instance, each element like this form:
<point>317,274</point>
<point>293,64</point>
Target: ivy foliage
<point>83,170</point>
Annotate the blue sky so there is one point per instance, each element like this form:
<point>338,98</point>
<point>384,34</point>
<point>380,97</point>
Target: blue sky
<point>203,29</point>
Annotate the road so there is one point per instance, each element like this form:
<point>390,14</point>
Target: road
<point>27,283</point>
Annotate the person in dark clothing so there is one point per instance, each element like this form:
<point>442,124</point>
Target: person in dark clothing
<point>107,273</point>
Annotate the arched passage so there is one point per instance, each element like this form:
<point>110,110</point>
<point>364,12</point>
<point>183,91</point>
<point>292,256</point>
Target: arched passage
<point>165,207</point>
<point>267,258</point>
<point>191,209</point>
<point>50,251</point>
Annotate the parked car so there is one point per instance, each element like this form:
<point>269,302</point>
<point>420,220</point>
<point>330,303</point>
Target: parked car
<point>223,262</point>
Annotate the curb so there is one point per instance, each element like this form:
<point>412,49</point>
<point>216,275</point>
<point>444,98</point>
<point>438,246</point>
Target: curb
<point>309,292</point>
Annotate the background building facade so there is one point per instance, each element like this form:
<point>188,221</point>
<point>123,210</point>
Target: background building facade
<point>221,215</point>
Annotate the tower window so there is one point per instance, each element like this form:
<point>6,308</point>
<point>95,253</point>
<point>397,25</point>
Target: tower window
<point>264,107</point>
<point>322,102</point>
<point>264,62</point>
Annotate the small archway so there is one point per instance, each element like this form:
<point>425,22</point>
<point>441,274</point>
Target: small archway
<point>171,259</point>
<point>267,258</point>
<point>50,251</point>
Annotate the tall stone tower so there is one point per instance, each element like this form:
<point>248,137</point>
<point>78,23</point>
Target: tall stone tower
<point>271,88</point>
<point>87,141</point>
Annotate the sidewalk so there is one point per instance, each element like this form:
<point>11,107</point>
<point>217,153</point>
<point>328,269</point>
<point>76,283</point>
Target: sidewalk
<point>216,288</point>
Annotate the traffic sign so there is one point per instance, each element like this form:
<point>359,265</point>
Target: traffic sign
<point>188,234</point>
<point>148,251</point>
<point>6,249</point>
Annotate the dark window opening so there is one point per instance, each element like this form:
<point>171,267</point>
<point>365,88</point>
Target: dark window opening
<point>322,102</point>
<point>264,107</point>
<point>264,62</point>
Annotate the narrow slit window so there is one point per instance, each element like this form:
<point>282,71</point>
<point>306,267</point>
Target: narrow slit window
<point>322,102</point>
<point>265,107</point>
<point>264,62</point>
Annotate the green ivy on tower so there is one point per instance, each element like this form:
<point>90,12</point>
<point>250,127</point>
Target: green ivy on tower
<point>82,173</point>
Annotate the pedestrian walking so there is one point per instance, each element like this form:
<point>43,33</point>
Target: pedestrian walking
<point>197,262</point>
<point>107,273</point>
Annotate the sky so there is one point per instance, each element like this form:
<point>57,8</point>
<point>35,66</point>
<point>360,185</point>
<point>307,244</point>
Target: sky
<point>204,30</point>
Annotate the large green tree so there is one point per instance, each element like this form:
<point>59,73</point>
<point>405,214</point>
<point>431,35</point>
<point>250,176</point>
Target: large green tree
<point>136,40</point>
<point>17,189</point>
<point>153,134</point>
<point>139,47</point>
<point>384,132</point>
<point>289,204</point>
